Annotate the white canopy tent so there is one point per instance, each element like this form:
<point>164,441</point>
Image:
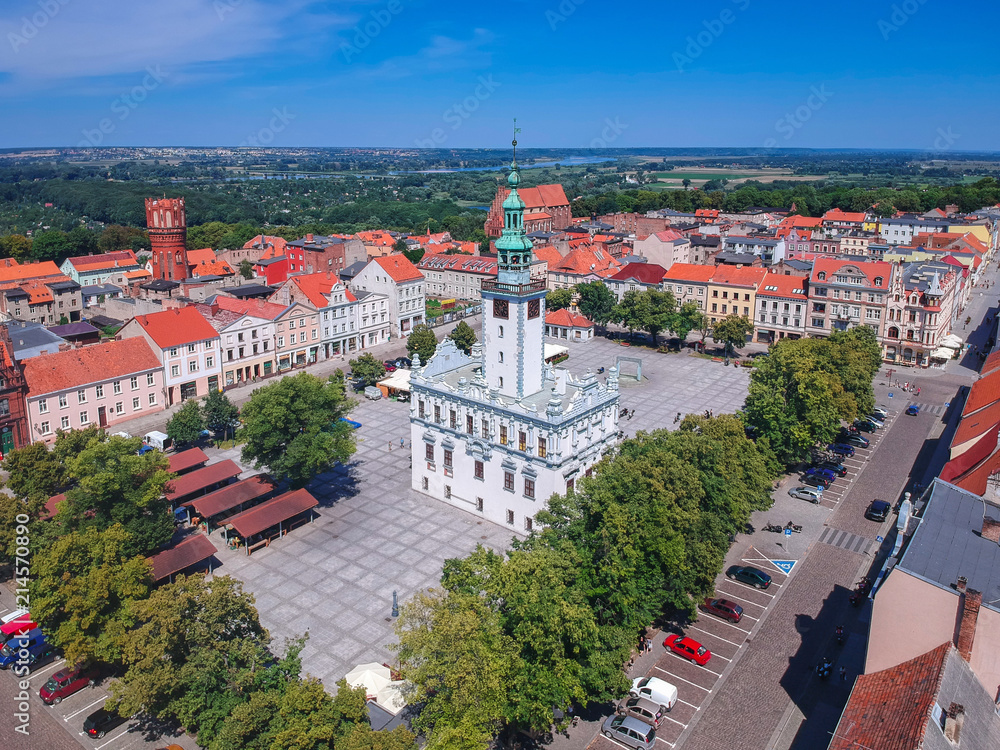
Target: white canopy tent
<point>398,380</point>
<point>951,341</point>
<point>379,686</point>
<point>943,352</point>
<point>554,350</point>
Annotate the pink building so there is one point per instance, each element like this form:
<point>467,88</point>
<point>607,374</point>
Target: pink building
<point>297,336</point>
<point>186,345</point>
<point>101,384</point>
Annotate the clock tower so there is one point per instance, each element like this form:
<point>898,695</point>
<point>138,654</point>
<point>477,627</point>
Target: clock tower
<point>514,306</point>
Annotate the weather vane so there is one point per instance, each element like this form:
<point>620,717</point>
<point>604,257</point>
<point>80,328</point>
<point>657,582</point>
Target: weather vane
<point>514,142</point>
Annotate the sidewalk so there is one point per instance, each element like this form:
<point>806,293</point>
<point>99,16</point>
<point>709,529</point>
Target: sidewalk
<point>240,394</point>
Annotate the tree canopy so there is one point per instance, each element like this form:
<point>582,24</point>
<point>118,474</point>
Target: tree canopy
<point>293,427</point>
<point>558,299</point>
<point>422,341</point>
<point>185,426</point>
<point>463,336</point>
<point>596,302</point>
<point>368,369</point>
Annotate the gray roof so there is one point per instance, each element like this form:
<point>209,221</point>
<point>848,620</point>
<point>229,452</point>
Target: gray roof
<point>63,286</point>
<point>735,258</point>
<point>32,339</point>
<point>73,329</point>
<point>95,290</point>
<point>947,543</point>
<point>801,265</point>
<point>103,321</point>
<point>160,285</point>
<point>247,290</point>
<point>353,270</point>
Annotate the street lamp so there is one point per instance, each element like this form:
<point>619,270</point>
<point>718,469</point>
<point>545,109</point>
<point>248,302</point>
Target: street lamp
<point>395,605</point>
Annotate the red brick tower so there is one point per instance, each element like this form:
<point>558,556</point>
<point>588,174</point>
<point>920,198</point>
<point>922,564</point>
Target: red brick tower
<point>168,235</point>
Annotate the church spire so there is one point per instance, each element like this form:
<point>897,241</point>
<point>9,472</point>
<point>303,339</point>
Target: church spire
<point>514,248</point>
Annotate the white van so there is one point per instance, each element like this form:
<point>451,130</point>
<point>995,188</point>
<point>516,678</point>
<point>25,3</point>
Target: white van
<point>158,440</point>
<point>653,688</point>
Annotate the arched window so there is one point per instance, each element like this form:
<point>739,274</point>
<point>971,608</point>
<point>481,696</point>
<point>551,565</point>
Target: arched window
<point>821,276</point>
<point>893,332</point>
<point>878,281</point>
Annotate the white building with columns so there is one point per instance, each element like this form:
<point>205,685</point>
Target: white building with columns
<point>498,432</point>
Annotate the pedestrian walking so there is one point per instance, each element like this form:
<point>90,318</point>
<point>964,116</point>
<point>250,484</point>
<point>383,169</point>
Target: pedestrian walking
<point>401,442</point>
<point>649,645</point>
<point>843,674</point>
<point>918,391</point>
<point>390,445</point>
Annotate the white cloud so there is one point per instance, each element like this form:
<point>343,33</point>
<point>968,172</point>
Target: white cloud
<point>443,54</point>
<point>79,39</point>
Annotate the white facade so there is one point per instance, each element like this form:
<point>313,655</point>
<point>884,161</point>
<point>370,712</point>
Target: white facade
<point>404,293</point>
<point>371,318</point>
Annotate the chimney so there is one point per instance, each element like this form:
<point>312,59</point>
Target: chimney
<point>961,583</point>
<point>970,601</point>
<point>991,529</point>
<point>953,720</point>
<point>309,238</point>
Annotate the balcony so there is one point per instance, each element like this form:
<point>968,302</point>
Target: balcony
<point>538,285</point>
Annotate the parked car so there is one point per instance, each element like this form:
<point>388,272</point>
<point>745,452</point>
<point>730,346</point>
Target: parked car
<point>858,441</point>
<point>389,366</point>
<point>882,412</point>
<point>65,682</point>
<point>101,722</point>
<point>809,494</point>
<point>688,648</point>
<point>42,654</point>
<point>749,575</point>
<point>815,471</point>
<point>17,626</point>
<point>840,449</point>
<point>723,608</point>
<point>880,421</point>
<point>912,410</point>
<point>659,691</point>
<point>629,731</point>
<point>643,709</point>
<point>878,510</point>
<point>865,425</point>
<point>403,363</point>
<point>835,466</point>
<point>29,641</point>
<point>816,481</point>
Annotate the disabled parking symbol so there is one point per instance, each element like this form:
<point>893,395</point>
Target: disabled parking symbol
<point>785,566</point>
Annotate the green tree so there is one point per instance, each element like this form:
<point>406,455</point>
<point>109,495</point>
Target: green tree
<point>422,341</point>
<point>660,311</point>
<point>688,318</point>
<point>11,509</point>
<point>220,414</point>
<point>293,427</point>
<point>35,472</point>
<point>112,484</point>
<point>195,652</point>
<point>558,299</point>
<point>596,302</point>
<point>246,269</point>
<point>82,241</point>
<point>633,311</point>
<point>732,331</point>
<point>15,246</point>
<point>84,588</point>
<point>463,336</point>
<point>414,255</point>
<point>452,648</point>
<point>185,426</point>
<point>50,245</point>
<point>400,246</point>
<point>368,369</point>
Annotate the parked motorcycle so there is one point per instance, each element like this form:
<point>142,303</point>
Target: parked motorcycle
<point>797,528</point>
<point>774,528</point>
<point>840,635</point>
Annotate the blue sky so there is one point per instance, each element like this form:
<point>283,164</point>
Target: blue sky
<point>875,74</point>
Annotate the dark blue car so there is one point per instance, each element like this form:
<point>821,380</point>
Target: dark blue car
<point>912,410</point>
<point>819,472</point>
<point>839,449</point>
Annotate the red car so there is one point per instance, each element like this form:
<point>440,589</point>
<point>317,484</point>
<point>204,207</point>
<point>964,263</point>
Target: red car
<point>65,682</point>
<point>723,608</point>
<point>688,648</point>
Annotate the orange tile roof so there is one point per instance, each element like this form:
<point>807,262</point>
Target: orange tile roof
<point>175,327</point>
<point>892,708</point>
<point>689,272</point>
<point>316,285</point>
<point>549,254</point>
<point>16,272</point>
<point>274,251</point>
<point>60,371</point>
<point>541,215</point>
<point>114,259</point>
<point>257,308</point>
<point>872,269</point>
<point>973,426</point>
<point>835,214</point>
<point>278,242</point>
<point>567,319</point>
<point>203,255</point>
<point>213,268</point>
<point>737,276</point>
<point>543,196</point>
<point>399,268</point>
<point>972,469</point>
<point>668,235</point>
<point>779,285</point>
<point>984,392</point>
<point>588,259</point>
<point>376,237</point>
<point>37,291</point>
<point>140,274</point>
<point>992,363</point>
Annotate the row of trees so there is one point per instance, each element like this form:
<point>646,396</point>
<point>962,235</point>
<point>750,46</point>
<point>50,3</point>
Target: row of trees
<point>802,390</point>
<point>422,341</point>
<point>511,637</point>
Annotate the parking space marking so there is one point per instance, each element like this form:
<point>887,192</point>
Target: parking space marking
<point>40,672</point>
<point>738,598</point>
<point>660,739</point>
<point>713,635</point>
<point>688,704</point>
<point>678,677</point>
<point>679,723</point>
<point>99,700</point>
<point>127,729</point>
<point>678,656</point>
<point>612,739</point>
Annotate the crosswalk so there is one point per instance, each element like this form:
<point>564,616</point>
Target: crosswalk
<point>935,409</point>
<point>846,540</point>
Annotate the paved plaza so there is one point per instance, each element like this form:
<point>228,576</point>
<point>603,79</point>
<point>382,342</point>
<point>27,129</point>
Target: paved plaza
<point>334,578</point>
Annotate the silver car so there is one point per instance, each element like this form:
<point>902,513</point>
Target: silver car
<point>643,709</point>
<point>810,494</point>
<point>629,731</point>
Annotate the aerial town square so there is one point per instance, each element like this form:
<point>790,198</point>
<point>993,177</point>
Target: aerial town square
<point>387,375</point>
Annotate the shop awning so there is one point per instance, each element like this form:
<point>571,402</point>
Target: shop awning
<point>554,350</point>
<point>271,513</point>
<point>200,479</point>
<point>193,550</point>
<point>942,353</point>
<point>398,380</point>
<point>232,496</point>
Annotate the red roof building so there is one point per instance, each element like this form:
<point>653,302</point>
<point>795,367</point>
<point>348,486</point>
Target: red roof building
<point>568,326</point>
<point>103,384</point>
<point>546,209</point>
<point>14,428</point>
<point>834,290</point>
<point>635,277</point>
<point>403,285</point>
<point>583,264</point>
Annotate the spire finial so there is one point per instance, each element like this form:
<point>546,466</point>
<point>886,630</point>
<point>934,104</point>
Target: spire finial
<point>514,142</point>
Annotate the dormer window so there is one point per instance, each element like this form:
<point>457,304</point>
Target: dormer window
<point>878,281</point>
<point>821,276</point>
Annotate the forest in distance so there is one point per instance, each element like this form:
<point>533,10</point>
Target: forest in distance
<point>60,203</point>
